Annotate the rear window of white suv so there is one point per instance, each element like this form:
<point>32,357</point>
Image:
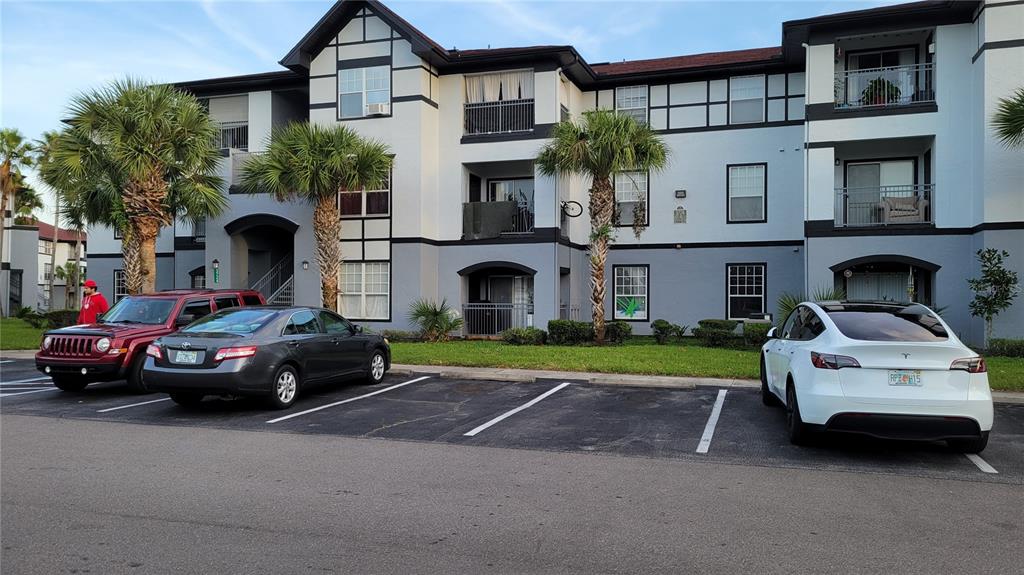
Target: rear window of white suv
<point>867,322</point>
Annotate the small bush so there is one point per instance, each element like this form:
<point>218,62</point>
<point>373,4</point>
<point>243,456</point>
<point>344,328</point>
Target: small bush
<point>756,334</point>
<point>718,324</point>
<point>568,332</point>
<point>22,312</point>
<point>717,337</point>
<point>59,318</point>
<point>524,336</point>
<point>436,321</point>
<point>665,330</point>
<point>1006,347</point>
<point>400,335</point>
<point>617,331</point>
<point>36,320</point>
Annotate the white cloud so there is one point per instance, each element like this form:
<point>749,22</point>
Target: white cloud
<point>228,27</point>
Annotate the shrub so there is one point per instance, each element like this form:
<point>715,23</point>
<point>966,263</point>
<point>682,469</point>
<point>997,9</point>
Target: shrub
<point>665,330</point>
<point>569,332</point>
<point>36,320</point>
<point>719,324</point>
<point>62,317</point>
<point>787,302</point>
<point>718,333</point>
<point>524,336</point>
<point>1006,347</point>
<point>617,331</point>
<point>755,333</point>
<point>23,311</point>
<point>436,321</point>
<point>400,335</point>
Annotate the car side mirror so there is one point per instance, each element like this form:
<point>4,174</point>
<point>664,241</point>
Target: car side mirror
<point>772,333</point>
<point>357,329</point>
<point>184,320</point>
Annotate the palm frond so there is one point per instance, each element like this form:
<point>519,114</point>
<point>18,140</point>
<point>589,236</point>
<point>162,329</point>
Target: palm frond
<point>1008,120</point>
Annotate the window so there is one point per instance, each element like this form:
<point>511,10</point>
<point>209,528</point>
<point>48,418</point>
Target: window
<point>746,99</point>
<point>226,302</point>
<point>360,87</point>
<point>809,325</point>
<point>630,292</point>
<point>630,197</point>
<point>887,323</point>
<point>365,290</point>
<point>366,202</point>
<point>302,323</point>
<point>47,271</point>
<point>45,247</point>
<point>199,231</point>
<point>746,290</point>
<point>196,308</point>
<point>632,101</point>
<point>120,288</point>
<point>747,190</point>
<point>118,235</point>
<point>335,325</point>
<point>198,281</point>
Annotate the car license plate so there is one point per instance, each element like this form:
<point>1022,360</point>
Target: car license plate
<point>905,377</point>
<point>186,357</point>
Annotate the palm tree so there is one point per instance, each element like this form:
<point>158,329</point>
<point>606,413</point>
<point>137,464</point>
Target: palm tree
<point>44,155</point>
<point>15,155</point>
<point>135,157</point>
<point>597,147</point>
<point>68,273</point>
<point>26,201</point>
<point>313,163</point>
<point>1008,120</point>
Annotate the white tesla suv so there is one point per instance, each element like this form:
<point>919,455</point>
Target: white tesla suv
<point>888,370</point>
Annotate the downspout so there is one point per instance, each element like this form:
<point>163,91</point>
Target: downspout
<point>807,173</point>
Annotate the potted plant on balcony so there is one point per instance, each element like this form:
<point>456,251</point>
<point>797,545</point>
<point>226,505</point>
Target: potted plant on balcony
<point>879,92</point>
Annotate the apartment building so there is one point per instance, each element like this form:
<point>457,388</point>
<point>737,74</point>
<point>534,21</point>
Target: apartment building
<point>32,250</point>
<point>856,154</point>
<point>56,247</point>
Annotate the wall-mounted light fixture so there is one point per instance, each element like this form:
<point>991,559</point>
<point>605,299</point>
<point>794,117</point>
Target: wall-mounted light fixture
<point>305,265</point>
<point>216,271</point>
<point>837,161</point>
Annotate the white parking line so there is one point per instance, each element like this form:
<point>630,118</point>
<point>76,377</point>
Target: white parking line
<point>24,380</point>
<point>6,361</point>
<point>26,392</point>
<point>709,429</point>
<point>132,405</point>
<point>981,463</point>
<point>508,414</point>
<point>349,400</point>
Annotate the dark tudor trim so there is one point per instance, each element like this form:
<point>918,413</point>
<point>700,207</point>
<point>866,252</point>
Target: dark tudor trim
<point>187,243</point>
<point>716,128</point>
<point>647,279</point>
<point>357,63</point>
<point>118,256</point>
<point>695,245</point>
<point>414,98</point>
<point>540,132</point>
<point>1019,43</point>
<point>827,229</point>
<point>828,111</point>
<point>884,258</point>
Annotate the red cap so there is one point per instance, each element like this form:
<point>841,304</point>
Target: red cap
<point>89,284</point>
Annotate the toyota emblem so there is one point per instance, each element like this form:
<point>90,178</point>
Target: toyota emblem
<point>906,356</point>
<point>186,345</point>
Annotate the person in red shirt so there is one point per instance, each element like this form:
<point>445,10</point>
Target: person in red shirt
<point>93,303</point>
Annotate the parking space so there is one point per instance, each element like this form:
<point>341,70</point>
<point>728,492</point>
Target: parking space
<point>705,424</point>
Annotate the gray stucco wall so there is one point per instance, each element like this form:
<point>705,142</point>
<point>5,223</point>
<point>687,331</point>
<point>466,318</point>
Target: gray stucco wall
<point>1010,323</point>
<point>23,246</point>
<point>184,262</point>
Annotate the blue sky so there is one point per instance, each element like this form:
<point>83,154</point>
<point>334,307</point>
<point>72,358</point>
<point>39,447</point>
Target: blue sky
<point>51,50</point>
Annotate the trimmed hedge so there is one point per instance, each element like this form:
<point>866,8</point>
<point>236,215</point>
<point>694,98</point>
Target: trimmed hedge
<point>1005,347</point>
<point>719,324</point>
<point>617,331</point>
<point>718,333</point>
<point>59,318</point>
<point>568,332</point>
<point>756,334</point>
<point>665,330</point>
<point>524,336</point>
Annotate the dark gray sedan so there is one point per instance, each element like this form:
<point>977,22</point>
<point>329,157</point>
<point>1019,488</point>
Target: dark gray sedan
<point>266,351</point>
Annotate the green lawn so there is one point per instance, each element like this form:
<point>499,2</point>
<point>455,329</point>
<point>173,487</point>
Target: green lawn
<point>640,356</point>
<point>18,334</point>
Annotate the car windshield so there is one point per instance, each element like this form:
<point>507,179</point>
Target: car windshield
<point>148,310</point>
<point>237,321</point>
<point>887,323</point>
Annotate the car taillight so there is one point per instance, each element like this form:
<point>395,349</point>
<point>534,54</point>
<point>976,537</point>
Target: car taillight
<point>970,364</point>
<point>235,352</point>
<point>153,351</point>
<point>830,361</point>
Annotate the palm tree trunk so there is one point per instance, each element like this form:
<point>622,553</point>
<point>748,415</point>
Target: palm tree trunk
<point>144,203</point>
<point>327,230</point>
<point>131,255</point>
<point>148,230</point>
<point>53,254</point>
<point>77,268</point>
<point>5,182</point>
<point>602,204</point>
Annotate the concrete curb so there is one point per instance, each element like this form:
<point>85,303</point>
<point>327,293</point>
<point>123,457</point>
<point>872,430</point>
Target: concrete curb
<point>18,354</point>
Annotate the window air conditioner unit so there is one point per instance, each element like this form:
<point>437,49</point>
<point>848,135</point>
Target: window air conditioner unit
<point>378,109</point>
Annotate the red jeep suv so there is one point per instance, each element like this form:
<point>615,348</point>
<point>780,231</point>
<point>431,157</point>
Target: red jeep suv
<point>115,346</point>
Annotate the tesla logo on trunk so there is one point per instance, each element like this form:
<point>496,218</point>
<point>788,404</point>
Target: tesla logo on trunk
<point>187,345</point>
<point>906,356</point>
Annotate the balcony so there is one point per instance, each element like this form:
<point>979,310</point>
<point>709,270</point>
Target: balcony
<point>490,319</point>
<point>502,117</point>
<point>887,87</point>
<point>237,160</point>
<point>884,206</point>
<point>484,220</point>
<point>234,135</point>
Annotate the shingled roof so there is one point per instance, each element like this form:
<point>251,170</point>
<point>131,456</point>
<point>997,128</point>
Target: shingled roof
<point>690,61</point>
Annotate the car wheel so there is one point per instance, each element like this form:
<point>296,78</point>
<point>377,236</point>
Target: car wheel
<point>285,387</point>
<point>375,374</point>
<point>187,399</point>
<point>973,445</point>
<point>135,379</point>
<point>794,423</point>
<point>767,397</point>
<point>69,384</point>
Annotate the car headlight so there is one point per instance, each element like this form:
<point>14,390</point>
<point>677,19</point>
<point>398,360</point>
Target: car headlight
<point>47,341</point>
<point>103,345</point>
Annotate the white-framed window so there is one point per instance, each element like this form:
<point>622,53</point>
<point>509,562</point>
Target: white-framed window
<point>630,190</point>
<point>366,202</point>
<point>632,101</point>
<point>630,292</point>
<point>45,247</point>
<point>365,290</point>
<point>47,271</point>
<point>746,290</point>
<point>199,281</point>
<point>120,288</point>
<point>747,189</point>
<point>118,235</point>
<point>360,87</point>
<point>746,99</point>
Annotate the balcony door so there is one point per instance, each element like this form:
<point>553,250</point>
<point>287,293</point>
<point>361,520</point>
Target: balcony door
<point>881,77</point>
<point>519,192</point>
<point>869,183</point>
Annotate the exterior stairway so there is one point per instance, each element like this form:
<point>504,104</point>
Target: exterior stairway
<point>277,285</point>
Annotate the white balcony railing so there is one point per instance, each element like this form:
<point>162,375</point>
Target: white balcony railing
<point>884,206</point>
<point>494,318</point>
<point>504,117</point>
<point>234,135</point>
<point>885,87</point>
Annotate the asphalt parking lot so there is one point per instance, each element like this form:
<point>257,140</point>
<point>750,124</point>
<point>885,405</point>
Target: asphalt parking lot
<point>705,424</point>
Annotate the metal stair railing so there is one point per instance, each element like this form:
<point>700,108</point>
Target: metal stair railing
<point>275,279</point>
<point>286,288</point>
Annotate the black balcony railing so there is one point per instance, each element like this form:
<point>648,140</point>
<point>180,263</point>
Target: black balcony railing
<point>504,117</point>
<point>885,87</point>
<point>884,206</point>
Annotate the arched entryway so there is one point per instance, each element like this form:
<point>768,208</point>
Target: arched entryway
<point>262,255</point>
<point>498,295</point>
<point>887,278</point>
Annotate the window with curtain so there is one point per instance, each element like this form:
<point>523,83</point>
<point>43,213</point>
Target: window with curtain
<point>746,99</point>
<point>365,202</point>
<point>358,87</point>
<point>365,290</point>
<point>746,290</point>
<point>500,86</point>
<point>630,190</point>
<point>630,292</point>
<point>632,101</point>
<point>747,189</point>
